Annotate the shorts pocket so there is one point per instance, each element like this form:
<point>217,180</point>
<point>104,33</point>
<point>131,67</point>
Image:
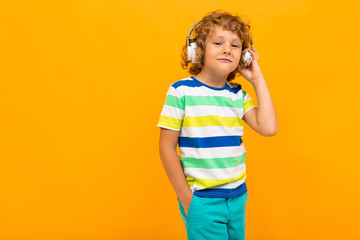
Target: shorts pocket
<point>191,207</point>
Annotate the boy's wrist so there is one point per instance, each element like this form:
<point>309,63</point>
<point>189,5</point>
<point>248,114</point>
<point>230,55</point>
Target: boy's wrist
<point>258,81</point>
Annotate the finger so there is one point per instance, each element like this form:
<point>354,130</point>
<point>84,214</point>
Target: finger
<point>257,54</point>
<point>253,54</point>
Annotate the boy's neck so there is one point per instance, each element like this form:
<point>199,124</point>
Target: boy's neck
<point>211,79</point>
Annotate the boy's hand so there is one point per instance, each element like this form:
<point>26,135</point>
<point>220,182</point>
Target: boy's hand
<point>186,205</point>
<point>253,72</point>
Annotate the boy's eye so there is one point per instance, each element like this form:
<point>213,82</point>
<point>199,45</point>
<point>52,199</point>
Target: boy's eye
<point>218,43</point>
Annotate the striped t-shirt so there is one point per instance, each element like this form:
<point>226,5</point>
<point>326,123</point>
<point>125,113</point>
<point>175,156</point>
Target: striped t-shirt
<point>212,153</point>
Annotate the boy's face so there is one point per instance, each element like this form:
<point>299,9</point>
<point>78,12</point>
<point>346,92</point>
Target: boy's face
<point>222,51</point>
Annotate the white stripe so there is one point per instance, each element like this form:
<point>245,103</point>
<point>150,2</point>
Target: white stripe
<point>219,173</point>
<point>195,187</point>
<point>247,97</point>
<point>212,131</point>
<point>216,152</point>
<point>231,185</point>
<point>172,112</point>
<point>203,110</point>
<point>161,126</point>
<point>175,92</point>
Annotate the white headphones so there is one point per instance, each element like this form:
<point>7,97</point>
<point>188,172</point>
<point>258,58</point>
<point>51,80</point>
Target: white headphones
<point>191,53</point>
<point>191,47</point>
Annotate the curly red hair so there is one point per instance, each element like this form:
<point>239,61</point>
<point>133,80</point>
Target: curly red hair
<point>205,27</point>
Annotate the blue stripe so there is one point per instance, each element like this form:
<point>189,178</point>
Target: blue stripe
<point>193,82</point>
<point>209,142</point>
<point>222,192</point>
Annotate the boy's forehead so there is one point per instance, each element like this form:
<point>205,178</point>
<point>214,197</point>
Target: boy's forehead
<point>220,32</point>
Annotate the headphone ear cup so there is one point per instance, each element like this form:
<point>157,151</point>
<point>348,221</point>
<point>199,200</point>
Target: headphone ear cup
<point>189,57</point>
<point>191,52</point>
<point>246,58</point>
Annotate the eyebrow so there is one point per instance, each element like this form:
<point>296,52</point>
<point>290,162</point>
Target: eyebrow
<point>220,36</point>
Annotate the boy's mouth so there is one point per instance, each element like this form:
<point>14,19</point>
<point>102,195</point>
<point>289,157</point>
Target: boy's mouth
<point>225,60</point>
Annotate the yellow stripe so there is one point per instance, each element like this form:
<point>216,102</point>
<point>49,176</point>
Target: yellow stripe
<point>207,183</point>
<point>248,104</point>
<point>213,120</point>
<point>169,122</point>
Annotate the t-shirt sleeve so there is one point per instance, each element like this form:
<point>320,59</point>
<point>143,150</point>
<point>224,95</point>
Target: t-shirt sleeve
<point>248,102</point>
<point>172,114</point>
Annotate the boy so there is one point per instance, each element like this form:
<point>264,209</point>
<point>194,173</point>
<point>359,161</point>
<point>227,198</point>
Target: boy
<point>203,115</point>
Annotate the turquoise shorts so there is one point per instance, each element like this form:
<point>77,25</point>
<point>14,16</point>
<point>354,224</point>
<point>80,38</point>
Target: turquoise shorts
<point>215,218</point>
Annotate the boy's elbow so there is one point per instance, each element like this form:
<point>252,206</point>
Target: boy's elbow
<point>271,133</point>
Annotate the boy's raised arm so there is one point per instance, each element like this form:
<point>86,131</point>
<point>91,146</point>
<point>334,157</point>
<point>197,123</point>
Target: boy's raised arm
<point>262,118</point>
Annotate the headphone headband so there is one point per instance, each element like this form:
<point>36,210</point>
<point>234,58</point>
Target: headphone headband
<point>188,36</point>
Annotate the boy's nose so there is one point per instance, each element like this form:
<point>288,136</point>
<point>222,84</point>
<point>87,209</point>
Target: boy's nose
<point>226,49</point>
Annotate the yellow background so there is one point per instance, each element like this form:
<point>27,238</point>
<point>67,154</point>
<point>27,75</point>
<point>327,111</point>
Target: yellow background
<point>82,85</point>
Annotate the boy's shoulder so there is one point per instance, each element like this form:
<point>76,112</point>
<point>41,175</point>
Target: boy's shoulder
<point>188,81</point>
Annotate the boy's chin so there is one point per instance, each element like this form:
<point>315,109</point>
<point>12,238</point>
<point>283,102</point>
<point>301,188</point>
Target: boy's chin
<point>227,71</point>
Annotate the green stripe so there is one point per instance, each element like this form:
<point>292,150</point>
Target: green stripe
<point>206,183</point>
<point>174,102</point>
<point>244,94</point>
<point>213,101</point>
<point>213,120</point>
<point>212,163</point>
